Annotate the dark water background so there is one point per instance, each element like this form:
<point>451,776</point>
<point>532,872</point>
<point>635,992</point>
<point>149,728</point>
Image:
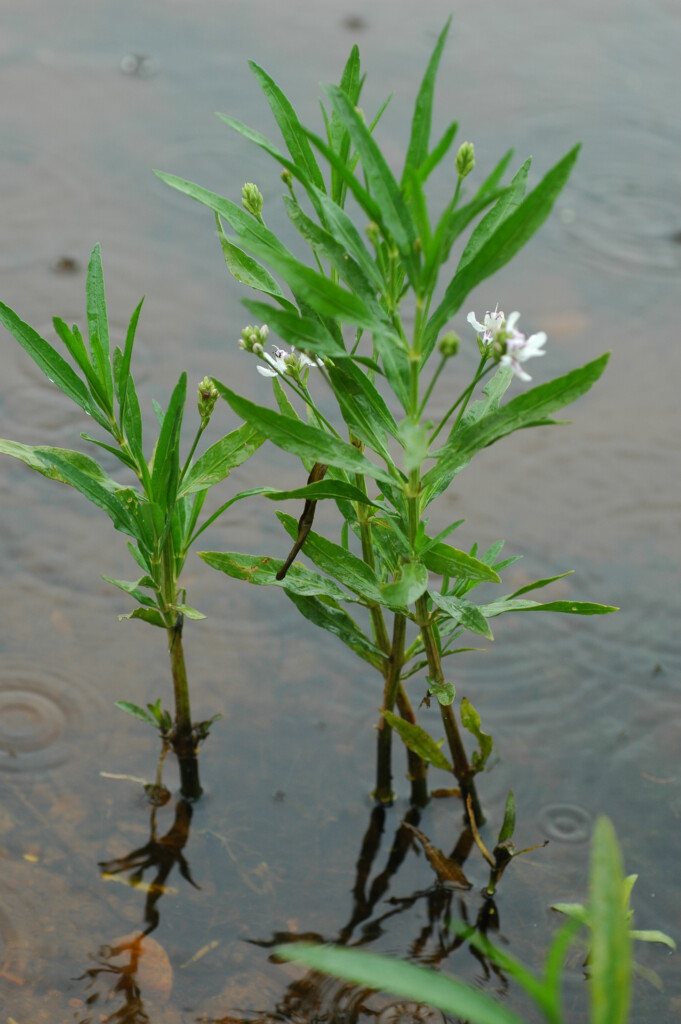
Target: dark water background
<point>586,712</point>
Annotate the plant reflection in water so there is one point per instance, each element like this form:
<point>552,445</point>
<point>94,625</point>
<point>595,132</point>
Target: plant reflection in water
<point>135,967</point>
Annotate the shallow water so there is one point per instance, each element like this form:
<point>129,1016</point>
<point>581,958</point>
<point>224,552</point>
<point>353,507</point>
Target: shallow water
<point>586,713</point>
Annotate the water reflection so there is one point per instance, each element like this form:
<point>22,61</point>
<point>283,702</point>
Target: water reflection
<point>316,997</point>
<point>135,967</point>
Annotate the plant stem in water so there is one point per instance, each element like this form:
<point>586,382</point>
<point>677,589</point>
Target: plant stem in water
<point>183,736</point>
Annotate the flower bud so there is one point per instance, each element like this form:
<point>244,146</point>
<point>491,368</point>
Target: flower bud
<point>373,233</point>
<point>208,396</point>
<point>448,345</point>
<point>251,199</point>
<point>465,159</point>
<point>286,177</point>
<point>253,338</point>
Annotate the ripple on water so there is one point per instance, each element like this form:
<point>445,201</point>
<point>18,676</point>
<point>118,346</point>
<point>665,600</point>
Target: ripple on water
<point>42,719</point>
<point>567,823</point>
<point>620,207</point>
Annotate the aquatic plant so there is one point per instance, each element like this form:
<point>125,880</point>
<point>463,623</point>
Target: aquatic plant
<point>606,917</point>
<point>366,319</point>
<point>162,514</point>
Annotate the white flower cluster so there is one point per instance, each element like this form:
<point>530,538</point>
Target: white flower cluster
<point>511,346</point>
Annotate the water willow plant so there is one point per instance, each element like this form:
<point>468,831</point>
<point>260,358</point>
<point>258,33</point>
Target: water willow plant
<point>162,514</point>
<point>348,321</point>
<point>606,917</point>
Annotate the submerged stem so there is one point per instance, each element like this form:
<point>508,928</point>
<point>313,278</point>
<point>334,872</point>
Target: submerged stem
<point>384,792</point>
<point>183,736</point>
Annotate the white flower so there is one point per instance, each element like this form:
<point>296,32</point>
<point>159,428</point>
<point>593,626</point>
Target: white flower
<point>491,327</point>
<point>511,346</point>
<point>282,362</point>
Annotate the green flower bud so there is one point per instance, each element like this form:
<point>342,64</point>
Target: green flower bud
<point>208,396</point>
<point>448,345</point>
<point>253,338</point>
<point>251,199</point>
<point>373,233</point>
<point>465,159</point>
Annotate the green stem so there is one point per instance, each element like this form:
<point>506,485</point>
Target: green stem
<point>182,737</point>
<point>463,397</point>
<point>384,792</point>
<point>417,767</point>
<point>462,770</point>
<point>376,612</point>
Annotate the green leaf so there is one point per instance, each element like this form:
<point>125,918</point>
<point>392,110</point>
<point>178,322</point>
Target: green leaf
<point>337,561</point>
<point>508,826</point>
<point>328,247</point>
<point>395,213</point>
<point>503,208</point>
<point>135,710</point>
<point>248,271</point>
<point>150,615</point>
<point>133,588</point>
<point>541,583</point>
<point>418,740</point>
<point>98,324</point>
<point>326,488</point>
<point>122,371</point>
<point>306,334</point>
<point>439,151</point>
<point>290,127</point>
<point>362,407</point>
<point>511,604</point>
<point>50,362</point>
<point>464,612</point>
<point>412,584</point>
<point>301,439</point>
<point>411,981</point>
<point>221,458</point>
<point>35,457</point>
<point>71,472</point>
<point>610,964</point>
<point>423,109</point>
<point>652,935</point>
<point>342,228</point>
<point>189,612</point>
<point>327,614</point>
<point>166,461</point>
<point>524,410</point>
<point>262,571</point>
<point>470,719</point>
<point>448,561</point>
<point>444,692</point>
<point>509,237</point>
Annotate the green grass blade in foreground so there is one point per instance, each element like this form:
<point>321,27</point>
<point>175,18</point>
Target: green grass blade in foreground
<point>423,109</point>
<point>301,439</point>
<point>328,614</point>
<point>610,964</point>
<point>403,979</point>
<point>503,244</point>
<point>524,410</point>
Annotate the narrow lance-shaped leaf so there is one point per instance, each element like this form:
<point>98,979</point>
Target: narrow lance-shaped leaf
<point>98,323</point>
<point>470,719</point>
<point>464,612</point>
<point>248,271</point>
<point>93,491</point>
<point>610,946</point>
<point>301,439</point>
<point>262,571</point>
<point>52,364</point>
<point>221,458</point>
<point>423,109</point>
<point>289,125</point>
<point>412,981</point>
<point>504,243</point>
<point>418,740</point>
<point>524,410</point>
<point>328,614</point>
<point>385,189</point>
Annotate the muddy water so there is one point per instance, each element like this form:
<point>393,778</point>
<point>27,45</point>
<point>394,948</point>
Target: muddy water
<point>586,713</point>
